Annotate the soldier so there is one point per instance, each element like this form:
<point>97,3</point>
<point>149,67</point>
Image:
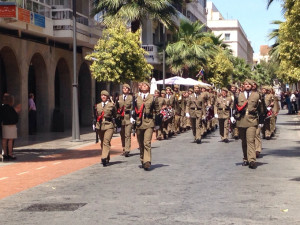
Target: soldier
<point>275,110</point>
<point>204,94</point>
<point>234,97</point>
<point>223,107</point>
<point>195,110</point>
<point>106,111</point>
<point>183,123</point>
<point>170,103</point>
<point>161,103</point>
<point>269,101</point>
<point>177,109</point>
<point>164,126</point>
<point>258,144</point>
<point>124,109</point>
<point>210,111</point>
<point>145,111</point>
<point>249,113</point>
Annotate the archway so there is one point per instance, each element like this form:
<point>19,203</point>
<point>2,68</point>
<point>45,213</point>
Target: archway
<point>10,80</point>
<point>85,96</point>
<point>38,85</point>
<point>63,101</point>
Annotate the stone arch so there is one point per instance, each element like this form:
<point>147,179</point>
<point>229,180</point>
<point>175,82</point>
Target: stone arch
<point>10,78</point>
<point>63,93</point>
<point>85,95</point>
<point>39,86</point>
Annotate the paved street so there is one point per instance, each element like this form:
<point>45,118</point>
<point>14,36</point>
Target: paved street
<point>188,184</point>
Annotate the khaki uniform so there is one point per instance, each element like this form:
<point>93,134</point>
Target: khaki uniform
<point>276,110</point>
<point>223,107</point>
<point>258,143</point>
<point>170,103</point>
<point>159,104</point>
<point>196,108</point>
<point>205,96</point>
<point>269,101</point>
<point>145,125</point>
<point>105,126</point>
<point>234,128</point>
<point>124,114</point>
<point>177,111</point>
<point>247,122</point>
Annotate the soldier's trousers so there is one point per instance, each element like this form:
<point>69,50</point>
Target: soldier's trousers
<point>267,128</point>
<point>105,137</point>
<point>235,130</point>
<point>223,124</point>
<point>177,121</point>
<point>258,145</point>
<point>196,127</point>
<point>247,134</point>
<point>144,137</point>
<point>126,137</point>
<point>272,124</point>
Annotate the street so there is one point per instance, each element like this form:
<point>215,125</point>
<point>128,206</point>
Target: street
<point>188,184</point>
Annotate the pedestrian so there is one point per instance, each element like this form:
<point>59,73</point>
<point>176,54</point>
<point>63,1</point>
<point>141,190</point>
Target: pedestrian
<point>223,109</point>
<point>249,116</point>
<point>288,102</point>
<point>294,102</point>
<point>145,109</point>
<point>106,111</point>
<point>9,120</point>
<point>124,107</point>
<point>32,114</point>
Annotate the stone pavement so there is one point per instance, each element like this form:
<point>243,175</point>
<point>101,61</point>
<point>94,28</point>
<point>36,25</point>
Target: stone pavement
<point>188,184</point>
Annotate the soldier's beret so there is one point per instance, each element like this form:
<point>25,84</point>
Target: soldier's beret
<point>176,86</point>
<point>191,89</point>
<point>105,92</point>
<point>197,85</point>
<point>163,92</point>
<point>146,82</point>
<point>254,82</point>
<point>224,89</point>
<point>248,81</point>
<point>207,87</point>
<point>126,85</point>
<point>157,91</point>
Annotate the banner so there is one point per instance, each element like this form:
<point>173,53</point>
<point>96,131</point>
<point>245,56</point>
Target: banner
<point>8,11</point>
<point>24,15</point>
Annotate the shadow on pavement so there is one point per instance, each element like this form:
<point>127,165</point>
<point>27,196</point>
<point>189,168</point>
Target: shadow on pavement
<point>290,152</point>
<point>295,179</point>
<point>111,163</point>
<point>156,166</point>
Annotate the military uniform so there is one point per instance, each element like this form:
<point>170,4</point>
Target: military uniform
<point>160,103</point>
<point>124,110</point>
<point>146,108</point>
<point>269,101</point>
<point>223,108</point>
<point>106,111</point>
<point>196,110</point>
<point>177,110</point>
<point>248,112</point>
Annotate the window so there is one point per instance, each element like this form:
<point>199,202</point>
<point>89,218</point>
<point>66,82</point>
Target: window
<point>227,37</point>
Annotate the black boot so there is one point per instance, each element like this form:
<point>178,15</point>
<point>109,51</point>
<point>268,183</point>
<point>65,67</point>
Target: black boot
<point>104,162</point>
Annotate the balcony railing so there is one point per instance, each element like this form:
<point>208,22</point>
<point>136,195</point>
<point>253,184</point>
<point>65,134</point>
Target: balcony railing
<point>64,14</point>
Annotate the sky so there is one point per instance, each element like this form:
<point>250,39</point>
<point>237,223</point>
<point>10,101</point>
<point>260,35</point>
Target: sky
<point>254,17</point>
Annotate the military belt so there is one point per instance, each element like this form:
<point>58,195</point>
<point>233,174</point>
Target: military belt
<point>107,119</point>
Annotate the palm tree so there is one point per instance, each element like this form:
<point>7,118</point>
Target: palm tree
<point>191,48</point>
<point>275,47</point>
<point>134,11</point>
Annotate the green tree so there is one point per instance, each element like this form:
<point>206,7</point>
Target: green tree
<point>191,49</point>
<point>118,56</point>
<point>241,71</point>
<point>289,42</point>
<point>135,11</point>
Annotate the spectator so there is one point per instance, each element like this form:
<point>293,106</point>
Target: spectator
<point>288,102</point>
<point>32,114</point>
<point>294,102</point>
<point>9,119</point>
<point>282,100</point>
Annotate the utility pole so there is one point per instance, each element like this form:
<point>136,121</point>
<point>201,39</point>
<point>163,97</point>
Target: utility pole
<point>164,57</point>
<point>75,114</point>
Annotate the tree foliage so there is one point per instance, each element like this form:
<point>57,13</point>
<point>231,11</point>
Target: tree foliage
<point>118,56</point>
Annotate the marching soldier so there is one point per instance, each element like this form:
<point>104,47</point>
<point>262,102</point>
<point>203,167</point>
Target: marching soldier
<point>145,111</point>
<point>249,116</point>
<point>275,112</point>
<point>164,126</point>
<point>223,107</point>
<point>269,101</point>
<point>161,103</point>
<point>195,110</point>
<point>234,98</point>
<point>170,103</point>
<point>124,109</point>
<point>177,109</point>
<point>106,111</point>
<point>205,97</point>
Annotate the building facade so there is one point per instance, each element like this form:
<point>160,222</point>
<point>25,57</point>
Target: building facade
<point>36,56</point>
<point>231,32</point>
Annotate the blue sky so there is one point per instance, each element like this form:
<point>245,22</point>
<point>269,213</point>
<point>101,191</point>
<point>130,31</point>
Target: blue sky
<point>253,16</point>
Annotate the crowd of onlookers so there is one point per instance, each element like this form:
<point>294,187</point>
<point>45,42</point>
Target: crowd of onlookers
<point>290,100</point>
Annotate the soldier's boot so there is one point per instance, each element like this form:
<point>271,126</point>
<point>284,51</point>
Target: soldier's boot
<point>126,154</point>
<point>104,162</point>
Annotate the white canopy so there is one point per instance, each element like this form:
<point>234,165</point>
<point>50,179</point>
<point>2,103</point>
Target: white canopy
<point>182,81</point>
<point>153,86</point>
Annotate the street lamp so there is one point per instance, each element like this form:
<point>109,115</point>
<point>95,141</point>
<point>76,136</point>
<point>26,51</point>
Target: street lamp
<point>75,114</point>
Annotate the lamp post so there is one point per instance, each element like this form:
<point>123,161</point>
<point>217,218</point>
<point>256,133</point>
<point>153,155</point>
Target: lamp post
<point>75,114</point>
<point>164,56</point>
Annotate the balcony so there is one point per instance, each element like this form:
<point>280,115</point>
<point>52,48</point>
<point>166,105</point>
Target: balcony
<point>152,57</point>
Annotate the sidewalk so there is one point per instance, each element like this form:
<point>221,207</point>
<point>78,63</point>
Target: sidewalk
<point>47,156</point>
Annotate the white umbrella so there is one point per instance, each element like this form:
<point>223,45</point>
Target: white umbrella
<point>194,82</point>
<point>172,80</point>
<point>153,86</point>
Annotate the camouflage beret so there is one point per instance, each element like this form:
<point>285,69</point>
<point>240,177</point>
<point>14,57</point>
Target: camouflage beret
<point>104,92</point>
<point>146,82</point>
<point>157,91</point>
<point>163,92</point>
<point>127,86</point>
<point>176,86</point>
<point>197,85</point>
<point>191,89</point>
<point>248,81</point>
<point>168,88</point>
<point>224,89</point>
